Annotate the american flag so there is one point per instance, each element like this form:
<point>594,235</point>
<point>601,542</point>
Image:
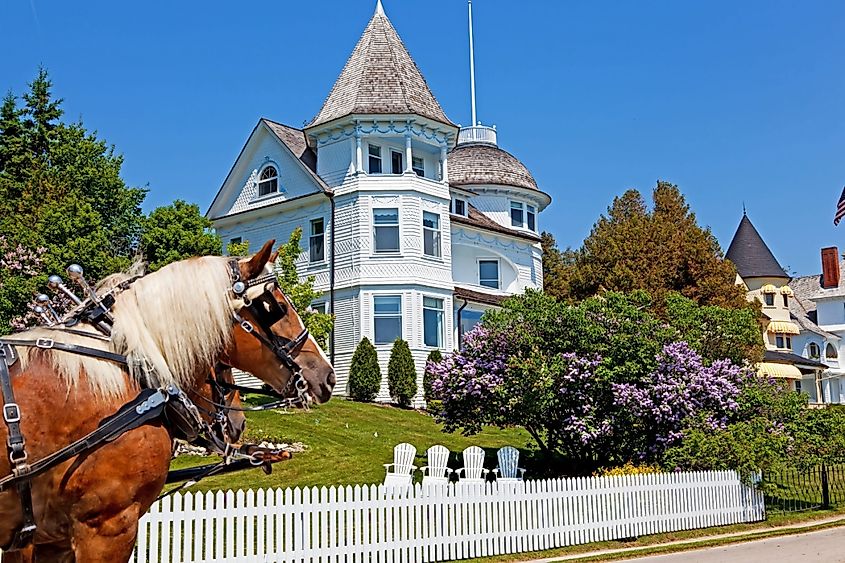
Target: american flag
<point>840,209</point>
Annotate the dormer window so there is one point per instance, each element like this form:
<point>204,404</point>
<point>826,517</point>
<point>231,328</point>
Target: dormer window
<point>268,181</point>
<point>830,352</point>
<point>374,152</point>
<point>459,207</point>
<point>769,299</point>
<point>813,351</point>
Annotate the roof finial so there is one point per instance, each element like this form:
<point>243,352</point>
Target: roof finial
<point>379,8</point>
<point>744,214</point>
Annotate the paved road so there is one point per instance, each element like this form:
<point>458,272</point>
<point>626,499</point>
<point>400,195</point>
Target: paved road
<point>826,546</point>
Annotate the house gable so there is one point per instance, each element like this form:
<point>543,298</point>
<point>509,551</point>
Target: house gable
<point>269,144</point>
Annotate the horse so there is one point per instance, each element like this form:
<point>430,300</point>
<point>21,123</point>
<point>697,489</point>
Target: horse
<point>170,326</point>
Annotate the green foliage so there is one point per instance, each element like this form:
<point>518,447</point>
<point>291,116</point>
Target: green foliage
<point>61,195</point>
<point>434,357</point>
<point>364,373</point>
<point>401,374</point>
<point>301,292</point>
<point>717,332</point>
<point>175,232</point>
<point>658,251</point>
<point>237,248</point>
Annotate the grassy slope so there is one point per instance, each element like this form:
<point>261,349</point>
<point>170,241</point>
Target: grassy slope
<point>347,444</point>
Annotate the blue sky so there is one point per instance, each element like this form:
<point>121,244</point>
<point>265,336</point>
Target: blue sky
<point>733,101</point>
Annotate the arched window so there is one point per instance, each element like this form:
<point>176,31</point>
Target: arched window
<point>813,351</point>
<point>830,351</point>
<point>268,181</point>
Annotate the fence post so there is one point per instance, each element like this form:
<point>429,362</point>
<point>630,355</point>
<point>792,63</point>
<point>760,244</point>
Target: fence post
<point>825,488</point>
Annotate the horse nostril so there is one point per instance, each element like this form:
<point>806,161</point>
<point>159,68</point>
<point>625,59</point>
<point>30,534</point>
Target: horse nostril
<point>331,379</point>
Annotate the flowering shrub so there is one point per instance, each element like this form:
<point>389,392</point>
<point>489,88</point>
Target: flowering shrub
<point>627,469</point>
<point>679,390</point>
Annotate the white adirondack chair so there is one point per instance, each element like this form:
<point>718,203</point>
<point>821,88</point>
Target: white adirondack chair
<point>473,470</point>
<point>436,471</point>
<point>509,469</point>
<point>403,465</point>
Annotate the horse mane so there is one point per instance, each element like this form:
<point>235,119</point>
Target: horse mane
<point>167,324</point>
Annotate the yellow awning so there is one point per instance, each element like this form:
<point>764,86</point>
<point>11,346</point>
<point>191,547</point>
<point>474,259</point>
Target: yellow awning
<point>786,290</point>
<point>769,288</point>
<point>783,327</point>
<point>772,369</point>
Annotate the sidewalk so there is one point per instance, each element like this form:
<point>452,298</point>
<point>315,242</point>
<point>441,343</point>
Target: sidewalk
<point>750,534</point>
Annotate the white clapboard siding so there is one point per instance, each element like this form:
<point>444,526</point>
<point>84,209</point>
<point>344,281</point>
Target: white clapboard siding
<point>438,522</point>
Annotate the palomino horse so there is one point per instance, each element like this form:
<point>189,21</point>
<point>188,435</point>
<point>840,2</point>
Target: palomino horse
<point>171,326</point>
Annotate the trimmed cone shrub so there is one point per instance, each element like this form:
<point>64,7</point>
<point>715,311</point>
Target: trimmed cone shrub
<point>401,374</point>
<point>364,373</point>
<point>428,377</point>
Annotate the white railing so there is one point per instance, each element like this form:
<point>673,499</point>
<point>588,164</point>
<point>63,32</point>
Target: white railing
<point>477,134</point>
<point>437,523</point>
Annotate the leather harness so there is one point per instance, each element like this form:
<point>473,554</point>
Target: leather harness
<point>168,402</point>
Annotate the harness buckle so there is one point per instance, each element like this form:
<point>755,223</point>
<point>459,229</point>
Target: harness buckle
<point>44,343</point>
<point>11,413</point>
<point>247,326</point>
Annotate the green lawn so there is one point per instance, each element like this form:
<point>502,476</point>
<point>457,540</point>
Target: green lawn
<point>347,444</point>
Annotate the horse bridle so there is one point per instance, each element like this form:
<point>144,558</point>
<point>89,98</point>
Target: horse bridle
<point>267,311</point>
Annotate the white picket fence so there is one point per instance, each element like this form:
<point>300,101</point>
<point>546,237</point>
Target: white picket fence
<point>438,523</point>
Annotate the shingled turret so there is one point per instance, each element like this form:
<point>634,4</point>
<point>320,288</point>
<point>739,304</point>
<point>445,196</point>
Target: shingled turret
<point>751,255</point>
<point>380,78</point>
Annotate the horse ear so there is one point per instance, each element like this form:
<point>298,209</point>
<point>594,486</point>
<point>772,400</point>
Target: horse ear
<point>255,265</point>
<point>272,259</point>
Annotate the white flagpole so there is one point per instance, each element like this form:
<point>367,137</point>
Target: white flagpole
<point>471,65</point>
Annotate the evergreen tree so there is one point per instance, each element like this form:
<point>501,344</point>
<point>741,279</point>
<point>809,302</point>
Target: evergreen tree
<point>364,373</point>
<point>175,232</point>
<point>433,358</point>
<point>401,374</point>
<point>61,196</point>
<point>659,251</point>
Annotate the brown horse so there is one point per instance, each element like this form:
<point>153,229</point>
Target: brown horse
<point>172,325</point>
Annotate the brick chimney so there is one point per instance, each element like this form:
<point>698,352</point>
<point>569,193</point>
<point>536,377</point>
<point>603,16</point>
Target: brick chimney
<point>830,267</point>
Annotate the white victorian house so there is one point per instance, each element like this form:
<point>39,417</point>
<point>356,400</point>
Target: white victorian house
<point>413,225</point>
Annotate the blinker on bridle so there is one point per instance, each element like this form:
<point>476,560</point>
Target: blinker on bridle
<point>266,311</point>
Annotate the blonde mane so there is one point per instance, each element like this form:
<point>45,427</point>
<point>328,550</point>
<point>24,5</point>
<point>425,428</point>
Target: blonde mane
<point>167,324</point>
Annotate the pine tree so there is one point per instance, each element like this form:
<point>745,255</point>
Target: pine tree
<point>434,357</point>
<point>364,373</point>
<point>401,374</point>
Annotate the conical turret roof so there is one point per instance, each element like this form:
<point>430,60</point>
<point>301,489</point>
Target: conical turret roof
<point>751,255</point>
<point>380,77</point>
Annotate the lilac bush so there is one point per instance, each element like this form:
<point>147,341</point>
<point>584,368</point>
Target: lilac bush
<point>681,389</point>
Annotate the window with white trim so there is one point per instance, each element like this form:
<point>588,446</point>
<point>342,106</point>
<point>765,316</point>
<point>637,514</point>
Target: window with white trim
<point>418,166</point>
<point>488,273</point>
<point>318,307</point>
<point>459,207</point>
<point>397,165</point>
<point>317,241</point>
<point>433,322</point>
<point>387,318</point>
<point>769,299</point>
<point>531,215</point>
<point>268,181</point>
<point>517,214</point>
<point>813,351</point>
<point>431,234</point>
<point>374,152</point>
<point>830,352</point>
<point>783,341</point>
<point>386,230</point>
